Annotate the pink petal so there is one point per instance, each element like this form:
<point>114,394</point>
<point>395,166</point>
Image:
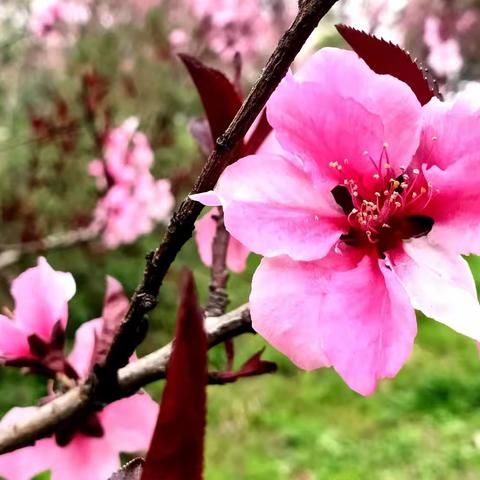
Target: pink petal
<point>81,356</point>
<point>205,230</point>
<point>210,198</point>
<point>41,298</point>
<point>272,208</point>
<point>336,108</point>
<point>450,150</point>
<point>13,342</point>
<point>84,458</point>
<point>439,284</point>
<point>129,423</point>
<point>26,462</point>
<point>338,311</point>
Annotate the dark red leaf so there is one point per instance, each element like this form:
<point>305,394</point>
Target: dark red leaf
<point>131,471</point>
<point>176,450</point>
<point>219,96</point>
<point>262,129</point>
<point>115,307</point>
<point>253,366</point>
<point>387,58</point>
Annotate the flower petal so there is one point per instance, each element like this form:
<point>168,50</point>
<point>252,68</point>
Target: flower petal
<point>272,208</point>
<point>322,115</point>
<point>210,198</point>
<point>353,315</point>
<point>41,298</point>
<point>450,152</point>
<point>26,462</point>
<point>13,342</point>
<point>440,284</point>
<point>129,423</point>
<point>80,357</point>
<point>205,230</point>
<point>84,458</point>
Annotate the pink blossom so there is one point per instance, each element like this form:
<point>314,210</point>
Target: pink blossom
<point>205,230</point>
<point>445,56</point>
<point>90,448</point>
<point>362,219</point>
<point>229,26</point>
<point>41,297</point>
<point>134,201</point>
<point>93,452</point>
<point>46,14</point>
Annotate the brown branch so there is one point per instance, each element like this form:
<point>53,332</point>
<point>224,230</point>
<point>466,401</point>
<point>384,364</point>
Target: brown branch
<point>10,254</point>
<point>218,298</point>
<point>130,378</point>
<point>182,223</point>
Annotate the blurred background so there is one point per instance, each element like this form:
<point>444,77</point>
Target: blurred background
<point>72,70</point>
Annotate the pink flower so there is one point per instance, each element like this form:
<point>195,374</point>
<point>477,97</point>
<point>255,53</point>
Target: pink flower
<point>93,451</point>
<point>90,448</point>
<point>46,14</point>
<point>41,297</point>
<point>205,230</point>
<point>361,220</point>
<point>134,201</point>
<point>445,56</point>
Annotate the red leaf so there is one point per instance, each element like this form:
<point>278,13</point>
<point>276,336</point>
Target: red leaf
<point>131,471</point>
<point>176,450</point>
<point>262,129</point>
<point>387,58</point>
<point>219,96</point>
<point>253,366</point>
<point>115,306</point>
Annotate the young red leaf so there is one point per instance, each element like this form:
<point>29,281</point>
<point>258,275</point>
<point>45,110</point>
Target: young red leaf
<point>387,58</point>
<point>253,366</point>
<point>262,129</point>
<point>176,450</point>
<point>131,471</point>
<point>219,96</point>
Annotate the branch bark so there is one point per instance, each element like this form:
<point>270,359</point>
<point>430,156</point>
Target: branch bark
<point>182,223</point>
<point>218,298</point>
<point>130,378</point>
<point>13,253</point>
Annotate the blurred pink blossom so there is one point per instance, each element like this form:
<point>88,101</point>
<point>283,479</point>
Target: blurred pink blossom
<point>47,14</point>
<point>89,448</point>
<point>444,57</point>
<point>41,297</point>
<point>93,451</point>
<point>364,218</point>
<point>134,201</point>
<point>229,26</point>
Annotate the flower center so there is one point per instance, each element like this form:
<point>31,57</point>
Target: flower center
<point>385,208</point>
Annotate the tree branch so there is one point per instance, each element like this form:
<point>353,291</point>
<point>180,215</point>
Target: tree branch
<point>182,223</point>
<point>133,376</point>
<point>218,298</point>
<point>12,253</point>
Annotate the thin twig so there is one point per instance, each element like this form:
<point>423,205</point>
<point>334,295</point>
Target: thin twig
<point>10,254</point>
<point>182,223</point>
<point>218,298</point>
<point>135,375</point>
